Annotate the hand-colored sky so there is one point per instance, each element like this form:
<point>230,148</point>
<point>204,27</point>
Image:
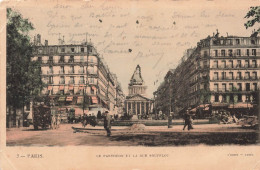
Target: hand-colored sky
<point>153,34</point>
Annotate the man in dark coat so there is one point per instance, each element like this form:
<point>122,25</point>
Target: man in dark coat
<point>187,120</point>
<point>107,123</point>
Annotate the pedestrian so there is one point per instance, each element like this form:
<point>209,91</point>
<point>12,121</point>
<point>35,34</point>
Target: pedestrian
<point>107,123</point>
<point>187,120</point>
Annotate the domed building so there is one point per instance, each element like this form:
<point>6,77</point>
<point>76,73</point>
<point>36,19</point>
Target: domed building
<point>136,102</point>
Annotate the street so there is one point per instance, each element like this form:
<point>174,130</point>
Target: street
<point>209,134</point>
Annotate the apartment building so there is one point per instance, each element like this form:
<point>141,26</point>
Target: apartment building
<point>219,74</point>
<point>74,71</point>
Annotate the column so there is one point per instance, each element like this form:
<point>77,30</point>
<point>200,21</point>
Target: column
<point>145,107</point>
<point>136,108</point>
<point>126,103</point>
<point>140,107</point>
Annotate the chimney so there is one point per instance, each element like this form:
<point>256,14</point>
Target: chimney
<point>46,42</point>
<point>63,42</point>
<point>213,34</point>
<point>227,34</point>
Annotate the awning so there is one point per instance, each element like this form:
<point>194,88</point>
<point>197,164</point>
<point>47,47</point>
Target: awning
<point>61,88</point>
<point>219,104</point>
<point>80,100</point>
<point>61,99</point>
<point>49,87</point>
<point>71,87</point>
<point>94,99</point>
<point>240,105</point>
<point>69,98</point>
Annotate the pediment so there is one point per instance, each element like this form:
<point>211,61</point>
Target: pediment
<point>137,97</point>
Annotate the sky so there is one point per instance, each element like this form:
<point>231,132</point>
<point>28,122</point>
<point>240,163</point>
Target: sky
<point>153,34</point>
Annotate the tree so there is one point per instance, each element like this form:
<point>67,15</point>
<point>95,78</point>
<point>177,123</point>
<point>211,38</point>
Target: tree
<point>253,13</point>
<point>23,75</point>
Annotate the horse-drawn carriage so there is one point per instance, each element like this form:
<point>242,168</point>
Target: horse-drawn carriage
<point>41,116</point>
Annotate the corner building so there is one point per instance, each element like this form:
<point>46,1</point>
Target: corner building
<point>74,71</point>
<point>219,74</point>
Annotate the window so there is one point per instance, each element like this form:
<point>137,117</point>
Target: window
<point>247,86</point>
<point>71,69</point>
<point>215,64</point>
<point>223,53</point>
<point>231,64</point>
<point>81,70</point>
<point>71,80</point>
<point>216,98</point>
<point>254,52</point>
<point>239,86</point>
<point>223,75</point>
<point>224,98</point>
<point>239,64</point>
<point>91,80</point>
<point>223,63</point>
<point>254,75</point>
<point>230,52</point>
<point>205,53</point>
<point>215,75</point>
<point>40,59</point>
<point>238,52</point>
<point>216,53</point>
<point>239,97</point>
<point>81,80</point>
<point>247,63</point>
<point>92,91</point>
<point>71,60</point>
<point>50,59</point>
<point>231,98</point>
<point>239,76</point>
<point>254,64</point>
<point>255,86</point>
<point>224,87</point>
<point>72,50</point>
<point>72,91</point>
<point>247,52</point>
<point>205,64</point>
<point>50,70</point>
<point>231,76</point>
<point>253,42</point>
<point>231,86</point>
<point>63,50</point>
<point>237,41</point>
<point>215,87</point>
<point>61,69</point>
<point>62,80</point>
<point>61,59</point>
<point>81,58</point>
<point>61,92</point>
<point>51,80</point>
<point>82,50</point>
<point>247,75</point>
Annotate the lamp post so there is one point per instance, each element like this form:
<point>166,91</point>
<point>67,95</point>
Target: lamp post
<point>169,115</point>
